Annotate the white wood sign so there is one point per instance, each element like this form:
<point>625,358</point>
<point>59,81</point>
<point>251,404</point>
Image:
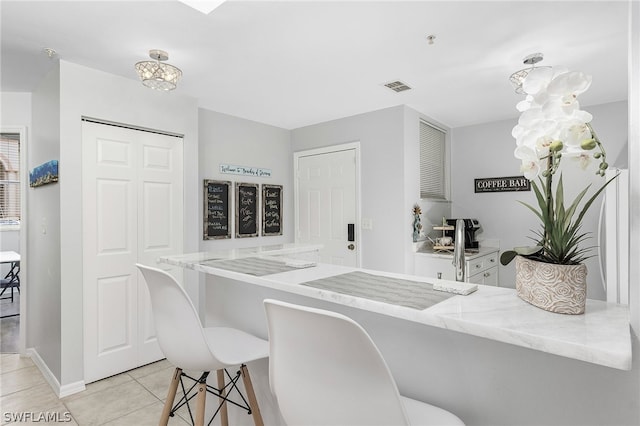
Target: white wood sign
<point>244,170</point>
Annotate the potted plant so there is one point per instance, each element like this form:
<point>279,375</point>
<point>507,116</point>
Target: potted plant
<point>551,275</point>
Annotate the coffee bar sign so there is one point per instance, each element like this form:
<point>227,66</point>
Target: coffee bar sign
<point>502,184</point>
<point>244,170</point>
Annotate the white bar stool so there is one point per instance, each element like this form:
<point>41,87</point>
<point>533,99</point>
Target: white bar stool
<point>189,346</point>
<point>324,369</point>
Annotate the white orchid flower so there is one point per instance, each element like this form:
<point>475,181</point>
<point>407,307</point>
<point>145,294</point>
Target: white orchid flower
<point>537,80</point>
<point>575,132</point>
<point>568,86</point>
<point>530,166</point>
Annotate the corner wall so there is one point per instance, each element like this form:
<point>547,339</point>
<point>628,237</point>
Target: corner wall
<point>44,328</point>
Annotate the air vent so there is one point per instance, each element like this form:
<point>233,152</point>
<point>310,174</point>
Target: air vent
<point>397,86</point>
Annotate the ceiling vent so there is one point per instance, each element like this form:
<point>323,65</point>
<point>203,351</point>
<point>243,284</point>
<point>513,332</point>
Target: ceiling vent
<point>397,86</point>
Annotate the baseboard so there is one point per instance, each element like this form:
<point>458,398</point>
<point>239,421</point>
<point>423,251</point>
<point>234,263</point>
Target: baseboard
<point>51,379</point>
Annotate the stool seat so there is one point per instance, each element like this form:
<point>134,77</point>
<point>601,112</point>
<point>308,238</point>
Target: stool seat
<point>189,346</point>
<point>238,348</point>
<point>324,369</point>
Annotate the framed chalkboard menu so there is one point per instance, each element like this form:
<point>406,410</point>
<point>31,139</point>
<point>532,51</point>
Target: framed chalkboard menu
<point>271,209</point>
<point>216,209</point>
<point>246,210</point>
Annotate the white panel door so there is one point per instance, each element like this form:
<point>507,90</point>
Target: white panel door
<point>159,223</point>
<point>327,203</point>
<point>132,212</point>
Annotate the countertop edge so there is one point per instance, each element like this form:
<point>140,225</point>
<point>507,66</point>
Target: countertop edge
<point>448,315</point>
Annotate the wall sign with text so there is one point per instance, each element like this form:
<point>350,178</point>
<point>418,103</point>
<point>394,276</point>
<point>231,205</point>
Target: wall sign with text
<point>246,210</point>
<point>217,223</point>
<point>502,184</point>
<point>244,170</point>
<point>271,209</point>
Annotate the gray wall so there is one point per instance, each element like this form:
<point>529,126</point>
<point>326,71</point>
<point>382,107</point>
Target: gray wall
<point>44,328</point>
<point>381,137</point>
<point>389,150</point>
<point>225,139</point>
<point>486,150</point>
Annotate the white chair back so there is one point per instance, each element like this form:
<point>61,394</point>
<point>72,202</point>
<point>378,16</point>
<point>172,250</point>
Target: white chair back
<point>324,369</point>
<point>177,324</point>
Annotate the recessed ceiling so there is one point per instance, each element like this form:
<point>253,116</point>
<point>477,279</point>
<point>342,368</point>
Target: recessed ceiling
<point>296,63</point>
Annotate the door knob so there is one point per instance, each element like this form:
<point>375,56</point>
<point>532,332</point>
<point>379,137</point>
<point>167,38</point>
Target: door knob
<point>351,247</point>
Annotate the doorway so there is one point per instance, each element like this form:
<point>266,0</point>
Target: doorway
<point>327,202</point>
<point>13,242</point>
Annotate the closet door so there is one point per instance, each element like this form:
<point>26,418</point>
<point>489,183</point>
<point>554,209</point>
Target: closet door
<point>160,224</point>
<point>132,189</point>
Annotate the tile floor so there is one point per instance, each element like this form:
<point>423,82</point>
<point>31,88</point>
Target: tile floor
<point>134,398</point>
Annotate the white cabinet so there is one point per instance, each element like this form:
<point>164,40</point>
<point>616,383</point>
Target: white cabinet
<point>480,268</point>
<point>483,269</point>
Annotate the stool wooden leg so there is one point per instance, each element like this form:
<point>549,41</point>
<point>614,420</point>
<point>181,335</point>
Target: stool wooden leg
<point>201,399</point>
<point>224,419</point>
<point>171,396</point>
<point>253,402</point>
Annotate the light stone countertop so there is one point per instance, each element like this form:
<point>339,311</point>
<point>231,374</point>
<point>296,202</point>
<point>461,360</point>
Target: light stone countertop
<point>600,336</point>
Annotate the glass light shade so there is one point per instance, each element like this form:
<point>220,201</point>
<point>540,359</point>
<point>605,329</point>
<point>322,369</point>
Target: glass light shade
<point>518,77</point>
<point>158,75</point>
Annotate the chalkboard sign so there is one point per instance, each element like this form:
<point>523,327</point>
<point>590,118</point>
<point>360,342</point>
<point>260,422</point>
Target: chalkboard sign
<point>246,210</point>
<point>216,209</point>
<point>271,209</point>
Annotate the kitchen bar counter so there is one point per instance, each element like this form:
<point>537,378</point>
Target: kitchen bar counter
<point>600,336</point>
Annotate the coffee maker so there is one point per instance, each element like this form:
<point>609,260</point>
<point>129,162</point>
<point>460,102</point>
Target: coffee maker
<point>471,226</point>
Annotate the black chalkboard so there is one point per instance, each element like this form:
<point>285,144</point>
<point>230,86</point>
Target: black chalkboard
<point>246,210</point>
<point>216,209</point>
<point>271,209</point>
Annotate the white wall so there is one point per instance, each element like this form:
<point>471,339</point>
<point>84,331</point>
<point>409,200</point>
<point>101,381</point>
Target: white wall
<point>44,328</point>
<point>92,93</point>
<point>486,150</point>
<point>225,139</point>
<point>634,163</point>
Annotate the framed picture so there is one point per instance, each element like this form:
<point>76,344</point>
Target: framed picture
<point>246,210</point>
<point>44,174</point>
<point>216,210</point>
<point>271,209</point>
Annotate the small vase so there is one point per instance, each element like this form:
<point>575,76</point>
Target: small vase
<point>554,288</point>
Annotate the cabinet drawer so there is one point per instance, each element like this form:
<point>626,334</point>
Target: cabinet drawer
<point>482,263</point>
<point>490,276</point>
<point>486,277</point>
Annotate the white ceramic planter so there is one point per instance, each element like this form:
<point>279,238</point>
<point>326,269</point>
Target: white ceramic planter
<point>555,288</point>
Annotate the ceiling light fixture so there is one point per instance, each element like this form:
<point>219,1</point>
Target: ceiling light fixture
<point>156,74</point>
<point>50,52</point>
<point>517,78</point>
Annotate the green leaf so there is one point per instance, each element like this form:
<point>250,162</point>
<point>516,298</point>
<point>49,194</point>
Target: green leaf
<point>509,255</point>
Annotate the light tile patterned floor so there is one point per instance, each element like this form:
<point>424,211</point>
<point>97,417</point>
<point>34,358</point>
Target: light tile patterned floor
<point>134,398</point>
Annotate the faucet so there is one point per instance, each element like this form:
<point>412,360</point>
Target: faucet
<point>458,250</point>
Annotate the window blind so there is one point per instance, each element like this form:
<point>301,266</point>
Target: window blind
<point>432,162</point>
<point>9,176</point>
